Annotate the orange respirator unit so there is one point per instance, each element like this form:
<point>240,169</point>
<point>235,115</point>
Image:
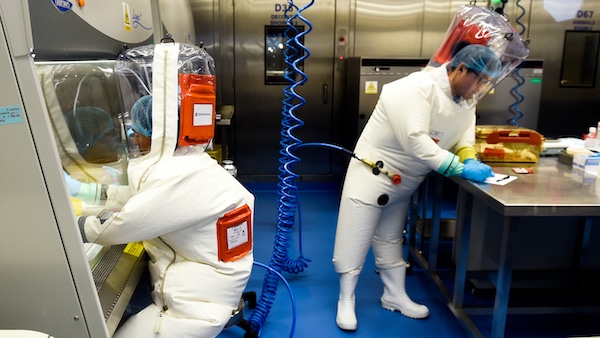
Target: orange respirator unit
<point>197,111</point>
<point>464,33</point>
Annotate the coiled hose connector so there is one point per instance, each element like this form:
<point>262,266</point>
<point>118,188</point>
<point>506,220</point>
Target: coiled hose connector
<point>378,168</point>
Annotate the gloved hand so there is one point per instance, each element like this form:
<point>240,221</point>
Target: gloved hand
<point>111,174</point>
<point>73,184</point>
<point>476,171</point>
<point>90,193</point>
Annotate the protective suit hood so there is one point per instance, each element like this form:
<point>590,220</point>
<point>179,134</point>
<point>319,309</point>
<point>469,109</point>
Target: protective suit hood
<point>474,25</point>
<point>164,114</point>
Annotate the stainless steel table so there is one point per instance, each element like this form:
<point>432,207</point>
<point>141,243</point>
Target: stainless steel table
<point>552,190</point>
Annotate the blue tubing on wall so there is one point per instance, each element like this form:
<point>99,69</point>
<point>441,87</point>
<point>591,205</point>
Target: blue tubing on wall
<point>514,108</point>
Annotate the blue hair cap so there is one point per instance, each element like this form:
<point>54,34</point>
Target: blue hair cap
<point>141,116</point>
<point>478,58</point>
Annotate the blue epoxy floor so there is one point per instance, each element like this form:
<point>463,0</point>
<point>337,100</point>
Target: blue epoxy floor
<point>315,290</point>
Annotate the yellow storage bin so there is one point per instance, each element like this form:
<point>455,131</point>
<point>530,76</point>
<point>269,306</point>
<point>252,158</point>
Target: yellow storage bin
<point>508,144</point>
<point>216,153</point>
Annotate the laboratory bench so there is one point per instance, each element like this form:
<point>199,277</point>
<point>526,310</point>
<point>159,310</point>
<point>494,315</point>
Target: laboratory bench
<point>537,237</point>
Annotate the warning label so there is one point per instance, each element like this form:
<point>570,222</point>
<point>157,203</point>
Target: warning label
<point>370,87</point>
<point>126,17</point>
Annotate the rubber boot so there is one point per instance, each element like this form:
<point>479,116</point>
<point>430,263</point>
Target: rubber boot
<point>346,315</point>
<point>394,294</point>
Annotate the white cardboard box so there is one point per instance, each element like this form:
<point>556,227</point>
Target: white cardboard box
<point>586,163</point>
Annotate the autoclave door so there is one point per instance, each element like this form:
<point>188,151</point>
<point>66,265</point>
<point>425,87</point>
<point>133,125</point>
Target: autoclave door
<point>259,83</point>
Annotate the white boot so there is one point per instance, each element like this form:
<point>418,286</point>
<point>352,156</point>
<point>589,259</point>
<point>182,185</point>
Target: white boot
<point>346,315</point>
<point>394,294</point>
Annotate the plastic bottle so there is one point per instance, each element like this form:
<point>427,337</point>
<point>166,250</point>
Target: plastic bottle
<point>591,138</point>
<point>228,165</point>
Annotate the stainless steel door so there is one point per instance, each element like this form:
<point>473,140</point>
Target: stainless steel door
<point>258,103</point>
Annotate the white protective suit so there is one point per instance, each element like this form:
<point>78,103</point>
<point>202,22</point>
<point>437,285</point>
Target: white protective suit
<point>178,198</point>
<point>413,124</point>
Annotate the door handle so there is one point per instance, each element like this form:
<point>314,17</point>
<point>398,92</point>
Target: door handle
<point>325,94</point>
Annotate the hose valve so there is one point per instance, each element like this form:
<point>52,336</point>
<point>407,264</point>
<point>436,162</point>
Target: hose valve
<point>378,168</point>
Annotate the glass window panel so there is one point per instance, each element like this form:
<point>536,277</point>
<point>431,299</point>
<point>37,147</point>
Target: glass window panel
<point>276,51</point>
<point>580,59</point>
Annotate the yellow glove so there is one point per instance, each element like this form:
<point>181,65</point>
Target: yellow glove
<point>77,206</point>
<point>467,152</point>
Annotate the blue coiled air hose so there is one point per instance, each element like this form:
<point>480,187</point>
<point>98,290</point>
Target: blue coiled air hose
<point>287,285</point>
<point>295,53</point>
<point>518,114</point>
<point>289,204</point>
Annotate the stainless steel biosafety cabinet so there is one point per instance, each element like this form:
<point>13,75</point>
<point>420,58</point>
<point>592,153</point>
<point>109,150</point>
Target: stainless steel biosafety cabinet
<point>47,282</point>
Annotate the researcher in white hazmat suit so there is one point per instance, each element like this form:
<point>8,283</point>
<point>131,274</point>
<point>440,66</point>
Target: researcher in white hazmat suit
<point>420,123</point>
<point>195,221</point>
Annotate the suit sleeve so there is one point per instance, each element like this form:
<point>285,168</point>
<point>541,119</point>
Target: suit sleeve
<point>167,203</point>
<point>465,147</point>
